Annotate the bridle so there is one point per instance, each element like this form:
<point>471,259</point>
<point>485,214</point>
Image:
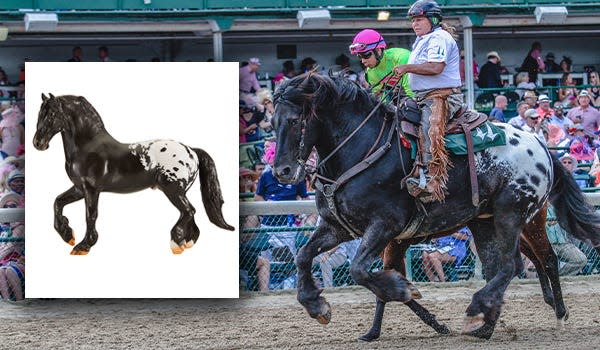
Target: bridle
<point>329,189</point>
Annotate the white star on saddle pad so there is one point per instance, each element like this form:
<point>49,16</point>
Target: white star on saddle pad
<point>489,133</point>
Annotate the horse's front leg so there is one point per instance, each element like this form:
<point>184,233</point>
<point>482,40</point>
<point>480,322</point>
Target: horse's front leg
<point>387,285</point>
<point>91,214</point>
<point>321,241</point>
<point>61,223</point>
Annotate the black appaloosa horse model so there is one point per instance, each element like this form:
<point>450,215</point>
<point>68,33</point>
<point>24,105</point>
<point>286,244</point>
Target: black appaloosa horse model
<point>360,194</point>
<point>96,162</point>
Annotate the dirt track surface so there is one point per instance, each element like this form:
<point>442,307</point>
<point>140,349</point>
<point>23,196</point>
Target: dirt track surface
<point>277,321</point>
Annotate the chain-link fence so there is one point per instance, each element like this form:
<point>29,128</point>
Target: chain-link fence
<point>272,233</point>
<point>12,254</point>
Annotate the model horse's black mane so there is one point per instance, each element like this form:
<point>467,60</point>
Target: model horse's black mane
<point>70,105</point>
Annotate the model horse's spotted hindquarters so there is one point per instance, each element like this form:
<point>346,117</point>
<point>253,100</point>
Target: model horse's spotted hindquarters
<point>96,162</point>
<point>514,181</point>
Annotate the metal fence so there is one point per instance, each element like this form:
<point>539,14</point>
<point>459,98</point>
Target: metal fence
<point>12,255</point>
<point>272,233</point>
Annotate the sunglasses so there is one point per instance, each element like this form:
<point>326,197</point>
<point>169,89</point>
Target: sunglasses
<point>365,55</point>
<point>567,162</point>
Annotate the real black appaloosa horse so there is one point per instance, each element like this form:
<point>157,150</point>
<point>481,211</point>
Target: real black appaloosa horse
<point>514,180</point>
<point>96,162</point>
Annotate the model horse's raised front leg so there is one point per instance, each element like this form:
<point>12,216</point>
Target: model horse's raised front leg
<point>180,233</point>
<point>321,241</point>
<point>61,223</point>
<point>91,214</point>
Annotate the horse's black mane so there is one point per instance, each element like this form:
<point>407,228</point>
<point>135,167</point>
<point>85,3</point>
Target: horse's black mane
<point>319,92</point>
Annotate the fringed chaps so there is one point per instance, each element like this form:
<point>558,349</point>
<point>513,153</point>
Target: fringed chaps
<point>440,162</point>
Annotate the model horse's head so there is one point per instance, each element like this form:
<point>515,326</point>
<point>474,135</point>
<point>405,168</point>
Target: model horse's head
<point>50,122</point>
<point>300,105</point>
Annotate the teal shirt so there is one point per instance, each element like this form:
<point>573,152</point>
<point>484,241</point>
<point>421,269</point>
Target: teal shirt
<point>391,58</point>
<point>556,234</point>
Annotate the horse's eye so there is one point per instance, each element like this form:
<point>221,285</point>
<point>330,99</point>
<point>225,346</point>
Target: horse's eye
<point>293,122</point>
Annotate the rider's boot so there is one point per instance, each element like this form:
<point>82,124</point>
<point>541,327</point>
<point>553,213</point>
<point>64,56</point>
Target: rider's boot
<point>420,185</point>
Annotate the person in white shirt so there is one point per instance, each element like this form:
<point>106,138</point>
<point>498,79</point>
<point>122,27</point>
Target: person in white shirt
<point>519,119</point>
<point>533,124</point>
<point>434,75</point>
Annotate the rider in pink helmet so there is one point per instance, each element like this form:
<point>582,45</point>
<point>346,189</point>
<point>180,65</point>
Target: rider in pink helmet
<point>379,61</point>
<point>367,40</point>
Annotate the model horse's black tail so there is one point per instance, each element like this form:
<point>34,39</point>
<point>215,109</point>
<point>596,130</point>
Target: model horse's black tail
<point>574,214</point>
<point>211,190</point>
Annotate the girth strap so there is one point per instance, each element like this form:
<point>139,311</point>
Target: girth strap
<point>472,170</point>
<point>328,190</point>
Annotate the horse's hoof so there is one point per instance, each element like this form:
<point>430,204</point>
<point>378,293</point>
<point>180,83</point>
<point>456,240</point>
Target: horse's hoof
<point>189,244</point>
<point>442,329</point>
<point>79,252</point>
<point>414,292</point>
<point>71,242</point>
<point>475,326</point>
<point>325,316</point>
<point>370,336</point>
<point>473,323</point>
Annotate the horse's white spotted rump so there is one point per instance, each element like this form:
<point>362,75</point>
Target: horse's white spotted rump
<point>530,173</point>
<point>175,160</point>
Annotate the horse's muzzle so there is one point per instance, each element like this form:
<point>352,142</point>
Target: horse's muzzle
<point>286,175</point>
<point>40,144</point>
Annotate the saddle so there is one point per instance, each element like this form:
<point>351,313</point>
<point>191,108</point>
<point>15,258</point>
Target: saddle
<point>463,121</point>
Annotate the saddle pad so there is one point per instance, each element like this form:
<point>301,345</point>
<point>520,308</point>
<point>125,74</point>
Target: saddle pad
<point>484,136</point>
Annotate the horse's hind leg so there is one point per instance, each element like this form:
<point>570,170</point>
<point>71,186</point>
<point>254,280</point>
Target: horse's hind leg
<point>322,240</point>
<point>393,258</point>
<point>91,214</point>
<point>541,272</point>
<point>61,223</point>
<point>180,232</point>
<point>497,244</point>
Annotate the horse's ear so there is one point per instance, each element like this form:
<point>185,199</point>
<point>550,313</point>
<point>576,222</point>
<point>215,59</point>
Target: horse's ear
<point>44,97</point>
<point>51,96</point>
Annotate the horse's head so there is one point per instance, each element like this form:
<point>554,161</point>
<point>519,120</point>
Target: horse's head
<point>300,105</point>
<point>50,122</point>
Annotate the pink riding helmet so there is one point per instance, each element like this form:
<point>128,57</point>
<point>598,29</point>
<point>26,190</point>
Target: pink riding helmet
<point>367,40</point>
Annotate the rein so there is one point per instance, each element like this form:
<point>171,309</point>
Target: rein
<point>328,190</point>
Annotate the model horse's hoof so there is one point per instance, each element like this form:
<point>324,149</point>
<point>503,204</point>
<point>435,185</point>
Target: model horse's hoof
<point>325,316</point>
<point>189,244</point>
<point>177,249</point>
<point>79,252</point>
<point>71,242</point>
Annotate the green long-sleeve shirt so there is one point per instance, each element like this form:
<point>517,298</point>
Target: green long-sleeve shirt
<point>390,59</point>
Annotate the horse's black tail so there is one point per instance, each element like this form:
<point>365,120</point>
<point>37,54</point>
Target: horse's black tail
<point>574,214</point>
<point>211,190</point>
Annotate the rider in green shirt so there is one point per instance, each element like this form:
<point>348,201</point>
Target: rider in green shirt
<point>371,49</point>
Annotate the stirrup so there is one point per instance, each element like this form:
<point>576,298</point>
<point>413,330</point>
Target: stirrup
<point>413,186</point>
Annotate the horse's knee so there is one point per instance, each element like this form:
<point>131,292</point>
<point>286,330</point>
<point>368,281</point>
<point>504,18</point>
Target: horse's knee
<point>359,273</point>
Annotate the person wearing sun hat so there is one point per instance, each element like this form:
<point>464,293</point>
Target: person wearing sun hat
<point>585,114</point>
<point>489,75</point>
<point>533,124</point>
<point>544,109</point>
